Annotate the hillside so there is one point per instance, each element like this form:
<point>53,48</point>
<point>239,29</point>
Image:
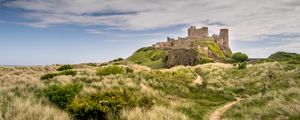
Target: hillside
<point>269,90</point>
<point>286,57</point>
<point>160,58</point>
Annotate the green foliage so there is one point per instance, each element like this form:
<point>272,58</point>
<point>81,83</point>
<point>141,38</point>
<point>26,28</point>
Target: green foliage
<point>110,70</point>
<point>213,47</point>
<point>282,55</point>
<point>146,102</point>
<point>290,58</point>
<point>68,72</point>
<point>97,105</point>
<point>148,56</point>
<point>129,70</point>
<point>116,60</point>
<point>155,64</point>
<point>173,82</point>
<point>242,65</point>
<point>62,95</point>
<point>216,50</point>
<point>64,72</point>
<point>91,64</point>
<point>204,60</point>
<point>144,49</point>
<point>240,57</point>
<point>65,67</point>
<point>49,76</point>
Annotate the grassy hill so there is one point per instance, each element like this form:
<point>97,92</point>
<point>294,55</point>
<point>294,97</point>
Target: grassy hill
<point>149,56</point>
<point>154,58</point>
<point>286,57</point>
<point>292,58</point>
<point>127,91</point>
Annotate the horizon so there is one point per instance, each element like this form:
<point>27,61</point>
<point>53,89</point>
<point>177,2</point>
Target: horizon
<point>37,32</point>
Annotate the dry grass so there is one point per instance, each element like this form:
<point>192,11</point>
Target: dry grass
<point>17,101</point>
<point>18,86</point>
<point>274,105</point>
<point>31,109</point>
<point>155,113</point>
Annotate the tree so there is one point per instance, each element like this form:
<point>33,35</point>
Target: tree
<point>239,57</point>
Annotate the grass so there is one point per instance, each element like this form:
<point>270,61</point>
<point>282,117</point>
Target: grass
<point>213,47</point>
<point>148,56</point>
<point>270,91</point>
<point>281,104</point>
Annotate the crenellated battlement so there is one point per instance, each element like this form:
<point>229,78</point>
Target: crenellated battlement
<point>195,34</point>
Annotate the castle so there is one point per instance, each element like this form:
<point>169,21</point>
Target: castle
<point>195,34</point>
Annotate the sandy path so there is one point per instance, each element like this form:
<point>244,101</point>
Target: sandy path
<point>216,115</point>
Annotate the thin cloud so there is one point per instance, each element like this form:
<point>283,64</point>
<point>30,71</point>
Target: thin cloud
<point>94,31</point>
<point>247,20</point>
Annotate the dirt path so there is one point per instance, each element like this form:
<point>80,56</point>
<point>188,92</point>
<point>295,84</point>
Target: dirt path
<point>216,115</point>
<point>198,80</point>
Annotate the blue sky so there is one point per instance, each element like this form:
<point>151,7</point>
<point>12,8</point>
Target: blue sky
<point>40,32</point>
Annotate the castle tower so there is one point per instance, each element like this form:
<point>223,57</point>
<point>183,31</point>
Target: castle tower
<point>193,32</point>
<point>224,35</point>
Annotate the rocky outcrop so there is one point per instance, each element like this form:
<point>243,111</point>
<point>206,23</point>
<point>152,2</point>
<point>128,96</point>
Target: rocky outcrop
<point>187,57</point>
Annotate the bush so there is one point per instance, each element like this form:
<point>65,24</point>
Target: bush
<point>49,76</point>
<point>52,75</point>
<point>62,95</point>
<point>242,65</point>
<point>145,49</point>
<point>109,70</point>
<point>91,64</point>
<point>98,105</point>
<point>146,102</point>
<point>116,60</point>
<point>68,72</point>
<point>204,60</point>
<point>65,67</point>
<point>240,57</point>
<point>129,70</point>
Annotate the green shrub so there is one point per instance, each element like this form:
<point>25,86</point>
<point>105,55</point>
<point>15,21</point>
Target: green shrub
<point>146,102</point>
<point>91,64</point>
<point>52,75</point>
<point>110,70</point>
<point>145,49</point>
<point>134,99</point>
<point>65,67</point>
<point>242,65</point>
<point>204,60</point>
<point>216,50</point>
<point>103,64</point>
<point>68,72</point>
<point>62,95</point>
<point>98,105</point>
<point>155,64</point>
<point>116,60</point>
<point>282,55</point>
<point>240,57</point>
<point>49,76</point>
<point>129,70</point>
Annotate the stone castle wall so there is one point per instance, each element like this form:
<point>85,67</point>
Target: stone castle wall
<point>193,35</point>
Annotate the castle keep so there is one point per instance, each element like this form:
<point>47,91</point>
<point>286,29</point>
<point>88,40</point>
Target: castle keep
<point>195,34</point>
<point>197,47</point>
